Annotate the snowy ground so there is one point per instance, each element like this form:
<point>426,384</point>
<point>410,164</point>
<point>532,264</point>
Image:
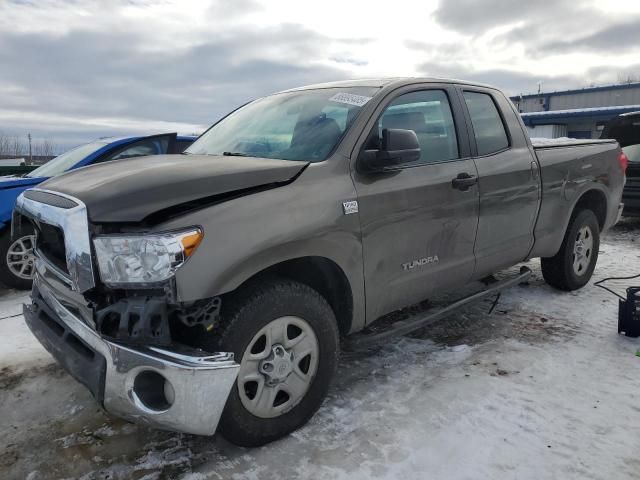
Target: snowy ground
<point>542,388</point>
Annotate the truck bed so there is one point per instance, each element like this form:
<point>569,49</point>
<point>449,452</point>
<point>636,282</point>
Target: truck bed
<point>567,165</point>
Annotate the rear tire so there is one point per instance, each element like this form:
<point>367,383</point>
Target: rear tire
<point>308,323</point>
<point>572,267</point>
<point>19,252</point>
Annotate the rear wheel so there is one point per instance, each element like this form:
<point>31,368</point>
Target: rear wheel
<point>285,337</point>
<point>572,267</point>
<point>17,262</point>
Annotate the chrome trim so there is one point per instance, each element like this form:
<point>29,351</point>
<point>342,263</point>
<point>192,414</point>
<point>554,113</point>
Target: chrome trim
<point>74,222</point>
<point>201,381</point>
<point>42,264</point>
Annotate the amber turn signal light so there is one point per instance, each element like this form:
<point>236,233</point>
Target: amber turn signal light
<point>190,242</point>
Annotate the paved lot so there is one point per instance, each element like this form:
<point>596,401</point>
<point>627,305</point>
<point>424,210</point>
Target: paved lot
<point>542,388</point>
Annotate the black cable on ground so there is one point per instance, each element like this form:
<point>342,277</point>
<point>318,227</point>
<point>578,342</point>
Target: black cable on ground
<point>600,282</point>
<point>495,302</point>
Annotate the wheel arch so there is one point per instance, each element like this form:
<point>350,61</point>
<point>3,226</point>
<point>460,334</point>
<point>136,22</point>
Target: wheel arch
<point>548,239</point>
<point>594,200</point>
<point>323,275</point>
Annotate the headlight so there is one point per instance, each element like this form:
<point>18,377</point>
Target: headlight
<point>144,259</point>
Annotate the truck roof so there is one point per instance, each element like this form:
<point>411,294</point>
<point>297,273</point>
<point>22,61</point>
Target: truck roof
<point>381,82</point>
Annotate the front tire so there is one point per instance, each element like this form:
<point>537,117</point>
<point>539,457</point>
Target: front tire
<point>285,337</point>
<point>572,267</point>
<point>17,262</point>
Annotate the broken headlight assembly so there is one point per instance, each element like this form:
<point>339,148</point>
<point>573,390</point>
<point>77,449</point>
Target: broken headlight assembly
<point>143,260</point>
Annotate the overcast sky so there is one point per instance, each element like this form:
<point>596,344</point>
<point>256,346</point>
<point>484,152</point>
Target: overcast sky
<point>76,70</point>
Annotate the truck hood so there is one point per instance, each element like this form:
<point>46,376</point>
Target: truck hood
<point>132,190</point>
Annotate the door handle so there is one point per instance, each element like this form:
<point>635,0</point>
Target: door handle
<point>464,181</point>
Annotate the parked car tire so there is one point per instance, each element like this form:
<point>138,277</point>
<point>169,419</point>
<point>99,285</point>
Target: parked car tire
<point>572,267</point>
<point>285,337</point>
<point>17,263</point>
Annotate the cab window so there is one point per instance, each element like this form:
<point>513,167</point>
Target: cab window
<point>488,128</point>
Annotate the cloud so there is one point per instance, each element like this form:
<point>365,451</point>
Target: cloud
<point>544,28</point>
<point>515,82</point>
<point>511,81</point>
<point>475,17</point>
<point>616,38</point>
<point>87,75</point>
<point>348,60</point>
<point>78,69</point>
<point>230,10</point>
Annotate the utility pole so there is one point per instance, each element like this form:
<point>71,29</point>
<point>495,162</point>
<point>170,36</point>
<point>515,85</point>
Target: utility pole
<point>30,156</point>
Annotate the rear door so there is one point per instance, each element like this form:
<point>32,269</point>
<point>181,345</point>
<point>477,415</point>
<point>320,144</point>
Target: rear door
<point>509,183</point>
<point>418,228</point>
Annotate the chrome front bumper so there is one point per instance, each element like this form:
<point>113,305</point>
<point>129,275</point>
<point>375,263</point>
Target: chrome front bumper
<point>183,391</point>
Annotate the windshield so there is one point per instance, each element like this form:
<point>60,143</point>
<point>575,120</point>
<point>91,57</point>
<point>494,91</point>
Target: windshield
<point>303,125</point>
<point>632,152</point>
<point>64,162</point>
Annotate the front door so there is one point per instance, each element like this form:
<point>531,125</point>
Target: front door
<point>418,223</point>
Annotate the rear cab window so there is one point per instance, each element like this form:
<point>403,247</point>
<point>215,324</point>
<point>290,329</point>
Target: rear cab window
<point>488,128</point>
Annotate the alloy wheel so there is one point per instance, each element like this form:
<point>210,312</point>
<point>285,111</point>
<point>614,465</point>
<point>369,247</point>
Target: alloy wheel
<point>20,258</point>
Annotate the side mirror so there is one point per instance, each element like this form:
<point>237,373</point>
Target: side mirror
<point>398,147</point>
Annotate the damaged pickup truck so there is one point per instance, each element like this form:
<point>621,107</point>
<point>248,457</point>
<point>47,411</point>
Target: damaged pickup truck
<point>210,291</point>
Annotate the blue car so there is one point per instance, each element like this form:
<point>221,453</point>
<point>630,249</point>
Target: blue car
<point>16,255</point>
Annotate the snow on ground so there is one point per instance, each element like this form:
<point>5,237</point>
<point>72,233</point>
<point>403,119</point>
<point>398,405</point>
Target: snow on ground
<point>18,348</point>
<point>542,388</point>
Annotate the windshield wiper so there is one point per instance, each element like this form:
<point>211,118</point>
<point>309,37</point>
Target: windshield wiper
<point>236,154</point>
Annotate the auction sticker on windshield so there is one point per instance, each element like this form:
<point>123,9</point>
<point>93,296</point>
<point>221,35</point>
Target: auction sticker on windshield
<point>350,98</point>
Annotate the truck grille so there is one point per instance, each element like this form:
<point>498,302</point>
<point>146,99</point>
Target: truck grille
<point>63,235</point>
<point>50,243</point>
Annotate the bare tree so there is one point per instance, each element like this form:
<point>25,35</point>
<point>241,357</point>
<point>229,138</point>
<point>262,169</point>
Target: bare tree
<point>16,147</point>
<point>48,148</point>
<point>44,148</point>
<point>626,77</point>
<point>4,144</point>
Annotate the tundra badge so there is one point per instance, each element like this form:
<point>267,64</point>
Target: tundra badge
<point>420,262</point>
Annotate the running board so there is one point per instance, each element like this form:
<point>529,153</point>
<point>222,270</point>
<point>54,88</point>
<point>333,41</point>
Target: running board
<point>363,340</point>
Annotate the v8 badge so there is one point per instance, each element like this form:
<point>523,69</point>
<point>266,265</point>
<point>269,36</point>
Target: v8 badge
<point>350,207</point>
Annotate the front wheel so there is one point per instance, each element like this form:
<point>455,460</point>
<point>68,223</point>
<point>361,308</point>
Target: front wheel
<point>17,262</point>
<point>284,336</point>
<point>572,267</point>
